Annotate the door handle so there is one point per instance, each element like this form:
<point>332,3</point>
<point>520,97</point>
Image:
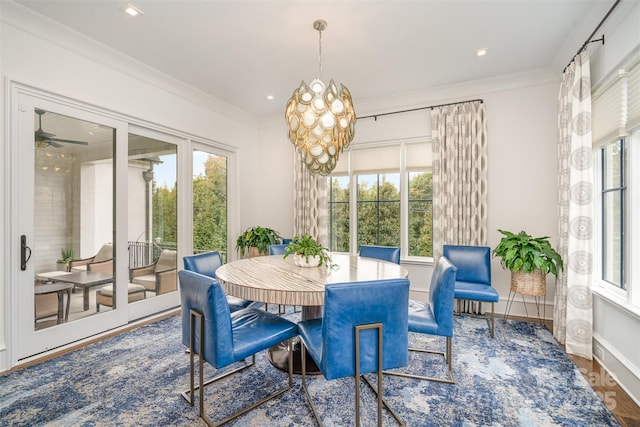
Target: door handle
<point>24,257</point>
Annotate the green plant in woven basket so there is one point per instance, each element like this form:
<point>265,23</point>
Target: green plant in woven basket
<point>258,237</point>
<point>523,252</point>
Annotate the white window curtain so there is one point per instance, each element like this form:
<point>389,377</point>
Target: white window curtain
<point>459,144</point>
<point>309,202</point>
<point>572,316</point>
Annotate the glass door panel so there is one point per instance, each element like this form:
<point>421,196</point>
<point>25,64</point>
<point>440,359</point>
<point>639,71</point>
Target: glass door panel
<point>73,215</point>
<point>64,187</point>
<point>209,203</point>
<point>153,217</point>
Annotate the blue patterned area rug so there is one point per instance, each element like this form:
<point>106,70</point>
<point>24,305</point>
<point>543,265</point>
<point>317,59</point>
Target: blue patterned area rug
<point>520,378</point>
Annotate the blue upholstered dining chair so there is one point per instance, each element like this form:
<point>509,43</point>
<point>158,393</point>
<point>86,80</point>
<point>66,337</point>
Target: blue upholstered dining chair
<point>363,330</point>
<point>277,249</point>
<point>207,263</point>
<point>435,317</point>
<point>473,278</point>
<point>385,253</point>
<point>221,338</point>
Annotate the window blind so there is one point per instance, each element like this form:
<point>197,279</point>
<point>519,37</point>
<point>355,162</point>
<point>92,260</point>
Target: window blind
<point>616,105</point>
<point>633,93</point>
<point>376,159</point>
<point>609,111</point>
<point>418,155</point>
<point>383,158</point>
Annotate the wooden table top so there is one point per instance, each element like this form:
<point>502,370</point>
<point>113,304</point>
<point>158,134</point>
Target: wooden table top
<point>275,280</point>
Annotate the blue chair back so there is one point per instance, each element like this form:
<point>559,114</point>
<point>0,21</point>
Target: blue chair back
<point>205,263</point>
<point>441,291</point>
<point>385,253</point>
<point>286,241</point>
<point>473,262</point>
<point>204,294</point>
<point>277,249</point>
<point>350,304</point>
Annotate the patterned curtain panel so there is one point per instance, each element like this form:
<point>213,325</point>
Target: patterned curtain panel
<point>309,202</point>
<point>459,142</point>
<point>572,317</point>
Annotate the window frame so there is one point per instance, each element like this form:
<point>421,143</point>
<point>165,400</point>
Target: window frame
<point>403,170</point>
<point>620,188</point>
<point>629,297</point>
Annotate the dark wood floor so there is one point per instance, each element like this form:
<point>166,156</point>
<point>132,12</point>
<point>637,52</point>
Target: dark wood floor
<point>614,397</point>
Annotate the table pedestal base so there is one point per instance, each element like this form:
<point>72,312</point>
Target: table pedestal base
<point>279,357</point>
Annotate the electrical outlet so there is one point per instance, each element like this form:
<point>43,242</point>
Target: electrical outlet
<point>598,352</point>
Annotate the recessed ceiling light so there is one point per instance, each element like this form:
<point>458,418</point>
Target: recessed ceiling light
<point>133,11</point>
<point>270,97</point>
<point>481,52</point>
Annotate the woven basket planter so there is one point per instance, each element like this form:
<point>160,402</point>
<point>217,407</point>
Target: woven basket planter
<point>534,283</point>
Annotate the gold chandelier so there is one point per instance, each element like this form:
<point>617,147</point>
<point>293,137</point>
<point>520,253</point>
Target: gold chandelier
<point>321,119</point>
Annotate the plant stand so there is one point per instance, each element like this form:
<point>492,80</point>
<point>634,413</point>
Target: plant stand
<point>532,284</point>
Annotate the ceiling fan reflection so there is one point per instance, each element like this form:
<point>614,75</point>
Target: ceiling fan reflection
<point>46,139</point>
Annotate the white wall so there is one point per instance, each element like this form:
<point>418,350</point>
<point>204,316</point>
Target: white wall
<point>51,221</point>
<point>138,191</point>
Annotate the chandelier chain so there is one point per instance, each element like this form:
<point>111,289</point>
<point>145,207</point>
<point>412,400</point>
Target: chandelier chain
<point>320,54</point>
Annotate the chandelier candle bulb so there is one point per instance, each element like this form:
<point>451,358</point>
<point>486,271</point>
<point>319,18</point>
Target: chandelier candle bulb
<point>320,119</point>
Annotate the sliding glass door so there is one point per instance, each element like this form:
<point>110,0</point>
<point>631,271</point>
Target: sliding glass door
<point>153,219</point>
<point>100,211</point>
<point>65,215</point>
<point>209,201</point>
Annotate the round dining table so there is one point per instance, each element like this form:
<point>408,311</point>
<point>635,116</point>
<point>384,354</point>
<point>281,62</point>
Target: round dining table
<point>276,280</point>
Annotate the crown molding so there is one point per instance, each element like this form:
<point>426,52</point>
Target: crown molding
<point>41,27</point>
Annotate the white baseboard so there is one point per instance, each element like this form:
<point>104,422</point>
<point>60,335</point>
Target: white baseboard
<point>623,371</point>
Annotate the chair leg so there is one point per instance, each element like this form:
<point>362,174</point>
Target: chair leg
<point>357,376</point>
<point>490,319</point>
<point>188,395</point>
<point>379,372</point>
<point>448,356</point>
<point>493,319</point>
<point>303,357</point>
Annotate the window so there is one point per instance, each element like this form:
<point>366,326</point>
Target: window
<point>209,202</point>
<point>338,197</point>
<point>384,199</point>
<point>420,214</point>
<point>378,209</point>
<point>616,141</point>
<point>613,213</point>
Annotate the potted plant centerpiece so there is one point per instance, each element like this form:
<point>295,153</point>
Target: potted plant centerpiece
<point>307,252</point>
<point>530,260</point>
<point>256,240</point>
<point>66,255</point>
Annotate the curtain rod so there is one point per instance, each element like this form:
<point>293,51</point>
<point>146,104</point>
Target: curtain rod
<point>430,107</point>
<point>589,39</point>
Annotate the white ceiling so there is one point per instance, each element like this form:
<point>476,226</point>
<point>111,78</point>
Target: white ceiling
<point>241,51</point>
